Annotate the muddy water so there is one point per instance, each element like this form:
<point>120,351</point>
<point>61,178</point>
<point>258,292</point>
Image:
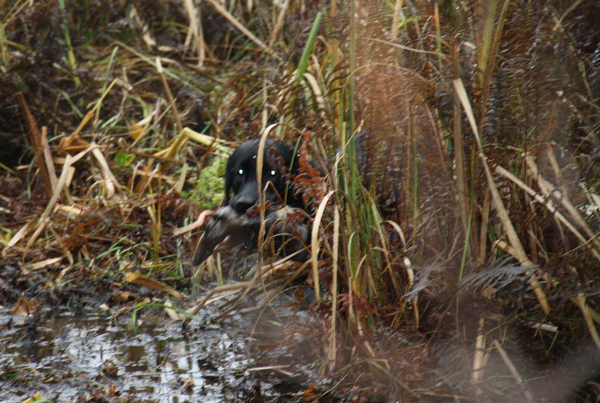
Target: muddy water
<point>75,354</point>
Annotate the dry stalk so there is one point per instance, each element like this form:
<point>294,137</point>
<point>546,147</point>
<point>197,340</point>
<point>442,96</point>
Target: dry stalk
<point>265,272</point>
<point>196,30</point>
<point>485,219</point>
<point>562,17</point>
<point>155,223</point>
<point>48,157</point>
<point>579,300</point>
<point>436,22</point>
<point>16,12</point>
<point>386,253</point>
<point>408,48</point>
<point>593,199</point>
<point>66,252</point>
<point>146,35</point>
<point>66,142</point>
<point>261,274</point>
<point>155,175</point>
<point>314,85</point>
<point>484,53</point>
<point>276,368</point>
<point>564,200</point>
<point>279,23</point>
<point>260,155</point>
<point>332,349</point>
<point>398,14</point>
<point>44,263</point>
<point>491,60</point>
<point>110,181</point>
<point>548,204</point>
<point>513,370</point>
<point>141,280</point>
<point>17,237</point>
<point>169,94</point>
<point>35,137</point>
<point>478,364</point>
<point>141,128</point>
<point>148,176</point>
<point>193,311</point>
<point>502,212</point>
<point>45,218</point>
<point>98,103</point>
<point>503,245</point>
<point>461,183</point>
<point>243,29</point>
<point>314,242</point>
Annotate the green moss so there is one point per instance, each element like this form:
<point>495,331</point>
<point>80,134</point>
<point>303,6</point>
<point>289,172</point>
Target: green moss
<point>210,186</point>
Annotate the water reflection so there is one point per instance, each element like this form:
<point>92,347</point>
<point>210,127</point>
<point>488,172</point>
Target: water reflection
<point>160,363</point>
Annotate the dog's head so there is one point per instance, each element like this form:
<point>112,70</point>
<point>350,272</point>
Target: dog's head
<point>280,165</point>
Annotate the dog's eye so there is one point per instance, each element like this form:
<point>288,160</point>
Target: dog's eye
<point>241,171</point>
<point>273,173</point>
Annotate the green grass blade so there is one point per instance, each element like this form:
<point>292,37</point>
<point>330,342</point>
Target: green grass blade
<point>303,64</point>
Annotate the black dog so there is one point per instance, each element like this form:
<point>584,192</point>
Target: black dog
<point>280,166</point>
<point>237,223</point>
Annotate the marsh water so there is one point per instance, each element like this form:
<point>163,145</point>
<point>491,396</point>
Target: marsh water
<point>93,352</point>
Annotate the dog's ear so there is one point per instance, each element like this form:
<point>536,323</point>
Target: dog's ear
<point>227,195</point>
<point>228,181</point>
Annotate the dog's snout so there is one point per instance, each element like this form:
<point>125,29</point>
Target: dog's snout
<point>245,198</point>
<point>242,204</point>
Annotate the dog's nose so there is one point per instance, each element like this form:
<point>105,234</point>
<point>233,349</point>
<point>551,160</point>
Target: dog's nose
<point>242,204</point>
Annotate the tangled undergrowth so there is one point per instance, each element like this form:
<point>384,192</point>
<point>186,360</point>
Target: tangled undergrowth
<point>455,250</point>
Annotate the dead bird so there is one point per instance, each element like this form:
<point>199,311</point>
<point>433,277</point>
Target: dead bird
<point>225,226</point>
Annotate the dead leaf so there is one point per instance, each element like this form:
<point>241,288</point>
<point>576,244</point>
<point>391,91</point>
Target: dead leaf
<point>120,295</point>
